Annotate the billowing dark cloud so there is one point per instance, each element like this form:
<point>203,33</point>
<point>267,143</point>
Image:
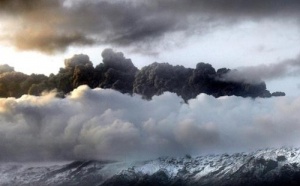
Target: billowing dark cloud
<point>119,73</point>
<point>36,25</point>
<point>135,23</point>
<point>105,124</point>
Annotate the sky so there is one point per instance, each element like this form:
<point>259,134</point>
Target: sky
<point>259,38</point>
<point>37,35</point>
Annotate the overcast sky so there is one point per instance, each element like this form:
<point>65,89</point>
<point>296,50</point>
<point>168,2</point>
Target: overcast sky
<point>37,35</point>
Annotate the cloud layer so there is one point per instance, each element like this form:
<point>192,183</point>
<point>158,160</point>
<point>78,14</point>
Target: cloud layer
<point>54,25</point>
<point>105,124</point>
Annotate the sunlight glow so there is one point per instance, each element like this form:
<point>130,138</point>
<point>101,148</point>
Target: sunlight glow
<point>30,62</point>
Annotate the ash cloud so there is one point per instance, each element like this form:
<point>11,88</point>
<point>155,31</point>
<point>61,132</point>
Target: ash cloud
<point>105,124</point>
<point>22,6</point>
<point>119,73</point>
<point>139,25</point>
<point>49,42</point>
<point>255,74</point>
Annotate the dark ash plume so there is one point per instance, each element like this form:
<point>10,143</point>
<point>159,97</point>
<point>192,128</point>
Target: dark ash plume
<point>118,73</point>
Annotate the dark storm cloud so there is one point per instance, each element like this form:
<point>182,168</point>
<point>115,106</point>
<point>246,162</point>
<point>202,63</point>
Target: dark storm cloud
<point>49,42</point>
<point>21,6</point>
<point>135,23</point>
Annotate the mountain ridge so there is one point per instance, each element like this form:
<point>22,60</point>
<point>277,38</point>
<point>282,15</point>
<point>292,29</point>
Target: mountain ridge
<point>263,167</point>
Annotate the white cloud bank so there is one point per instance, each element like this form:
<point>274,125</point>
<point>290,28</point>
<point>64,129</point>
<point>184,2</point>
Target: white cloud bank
<point>105,124</point>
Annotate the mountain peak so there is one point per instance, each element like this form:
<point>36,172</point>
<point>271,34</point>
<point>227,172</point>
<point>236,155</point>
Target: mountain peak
<point>263,167</point>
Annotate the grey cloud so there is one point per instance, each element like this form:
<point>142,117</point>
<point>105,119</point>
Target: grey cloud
<point>254,74</point>
<point>23,6</point>
<point>105,124</point>
<point>139,24</point>
<point>49,42</point>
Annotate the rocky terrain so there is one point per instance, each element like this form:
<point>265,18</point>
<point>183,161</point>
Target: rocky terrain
<point>263,167</point>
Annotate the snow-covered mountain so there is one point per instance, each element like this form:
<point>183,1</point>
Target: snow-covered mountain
<point>263,167</point>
